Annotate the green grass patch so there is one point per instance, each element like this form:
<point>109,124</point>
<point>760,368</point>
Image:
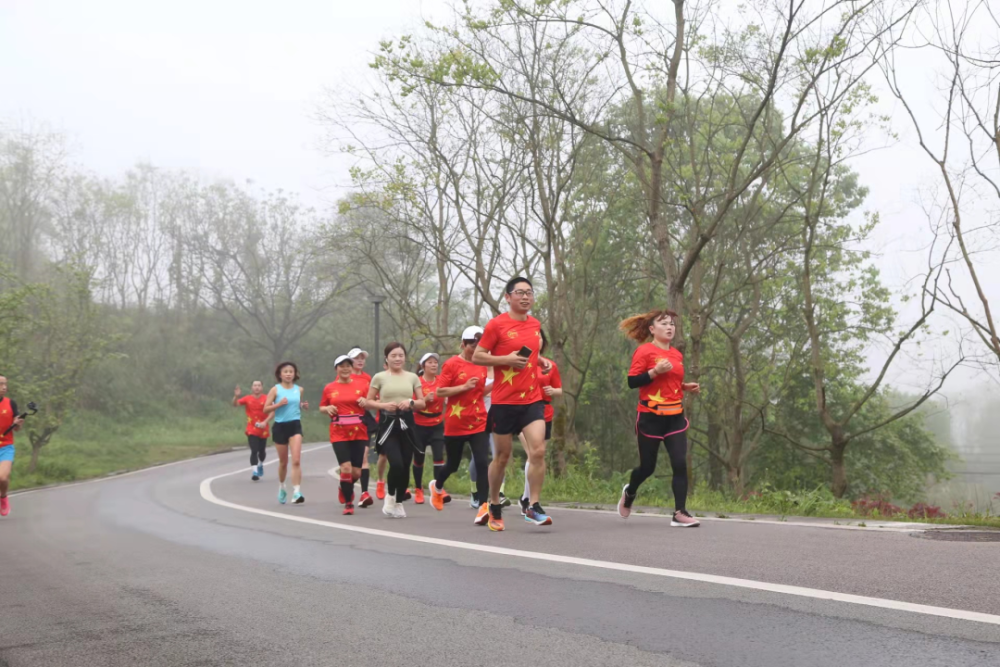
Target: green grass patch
<point>92,445</point>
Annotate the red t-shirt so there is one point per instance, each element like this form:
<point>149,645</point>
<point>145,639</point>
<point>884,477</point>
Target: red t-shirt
<point>465,413</point>
<point>504,335</point>
<point>8,413</point>
<point>433,407</point>
<point>254,406</point>
<point>344,396</point>
<point>664,389</point>
<point>550,379</point>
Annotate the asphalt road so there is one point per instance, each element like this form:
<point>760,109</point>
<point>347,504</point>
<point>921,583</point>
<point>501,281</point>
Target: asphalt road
<point>144,570</point>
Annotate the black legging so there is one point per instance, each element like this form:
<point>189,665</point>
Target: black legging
<point>479,443</point>
<point>258,449</point>
<point>427,436</point>
<point>398,445</point>
<point>671,430</point>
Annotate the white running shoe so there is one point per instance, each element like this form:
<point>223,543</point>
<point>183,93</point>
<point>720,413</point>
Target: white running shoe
<point>398,512</point>
<point>389,506</point>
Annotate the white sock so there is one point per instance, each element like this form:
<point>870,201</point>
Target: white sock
<point>527,488</point>
<point>296,489</point>
<point>281,485</point>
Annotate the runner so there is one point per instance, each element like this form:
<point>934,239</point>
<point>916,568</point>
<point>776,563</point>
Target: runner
<point>510,343</point>
<point>285,401</point>
<point>9,424</point>
<point>551,383</point>
<point>463,383</point>
<point>428,425</point>
<point>658,372</point>
<point>396,394</point>
<point>258,426</point>
<point>348,434</point>
<point>358,357</point>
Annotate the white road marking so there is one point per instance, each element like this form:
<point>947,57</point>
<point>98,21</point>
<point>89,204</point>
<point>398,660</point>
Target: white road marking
<point>799,591</point>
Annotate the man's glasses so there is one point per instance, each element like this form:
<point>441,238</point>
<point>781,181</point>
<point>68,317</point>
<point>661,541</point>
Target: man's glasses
<point>523,292</point>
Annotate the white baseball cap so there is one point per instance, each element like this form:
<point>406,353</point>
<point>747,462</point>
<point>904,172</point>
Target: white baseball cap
<point>356,352</point>
<point>472,332</point>
<point>429,355</point>
<point>341,359</point>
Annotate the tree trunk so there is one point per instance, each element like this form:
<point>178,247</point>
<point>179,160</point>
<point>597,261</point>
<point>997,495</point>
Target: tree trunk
<point>34,458</point>
<point>839,483</point>
<point>715,469</point>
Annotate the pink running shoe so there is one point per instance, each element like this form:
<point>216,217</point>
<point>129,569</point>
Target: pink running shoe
<point>625,503</point>
<point>682,519</point>
<point>4,506</point>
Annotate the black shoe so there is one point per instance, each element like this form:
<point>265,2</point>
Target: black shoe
<point>525,503</point>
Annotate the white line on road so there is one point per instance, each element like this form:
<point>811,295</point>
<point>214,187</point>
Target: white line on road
<point>207,494</point>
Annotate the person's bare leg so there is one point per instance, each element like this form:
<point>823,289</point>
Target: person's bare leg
<point>5,468</point>
<point>383,461</point>
<point>498,467</point>
<point>282,462</point>
<point>295,445</point>
<point>533,437</point>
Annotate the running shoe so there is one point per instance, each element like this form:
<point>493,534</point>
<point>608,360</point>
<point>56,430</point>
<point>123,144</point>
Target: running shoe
<point>504,500</point>
<point>260,470</point>
<point>407,495</point>
<point>446,497</point>
<point>418,496</point>
<point>366,500</point>
<point>682,519</point>
<point>298,498</point>
<point>474,503</point>
<point>282,495</point>
<point>399,512</point>
<point>483,515</point>
<point>437,499</point>
<point>380,490</point>
<point>496,518</point>
<point>625,503</point>
<point>389,506</point>
<point>254,477</point>
<point>537,516</point>
<point>4,506</point>
<point>525,504</point>
<point>340,496</point>
<point>349,508</point>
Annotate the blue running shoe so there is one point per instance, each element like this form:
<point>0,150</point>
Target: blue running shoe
<point>282,495</point>
<point>260,470</point>
<point>253,475</point>
<point>298,498</point>
<point>536,515</point>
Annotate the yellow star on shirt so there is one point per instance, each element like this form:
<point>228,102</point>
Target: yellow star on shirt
<point>523,393</point>
<point>508,376</point>
<point>456,410</point>
<point>657,397</point>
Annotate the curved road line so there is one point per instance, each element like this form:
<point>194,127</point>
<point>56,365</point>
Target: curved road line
<point>799,591</point>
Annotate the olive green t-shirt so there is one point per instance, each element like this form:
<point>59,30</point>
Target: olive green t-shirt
<point>395,388</point>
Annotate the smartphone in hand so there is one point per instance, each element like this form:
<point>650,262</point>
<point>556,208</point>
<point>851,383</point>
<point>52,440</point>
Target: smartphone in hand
<point>524,352</point>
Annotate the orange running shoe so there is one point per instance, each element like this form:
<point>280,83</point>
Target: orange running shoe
<point>496,518</point>
<point>380,490</point>
<point>349,508</point>
<point>366,500</point>
<point>437,497</point>
<point>418,495</point>
<point>483,515</point>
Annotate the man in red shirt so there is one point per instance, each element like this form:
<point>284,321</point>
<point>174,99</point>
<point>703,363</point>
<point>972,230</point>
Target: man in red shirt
<point>511,343</point>
<point>463,383</point>
<point>258,426</point>
<point>9,423</point>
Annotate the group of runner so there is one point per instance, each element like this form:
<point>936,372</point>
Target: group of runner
<point>497,387</point>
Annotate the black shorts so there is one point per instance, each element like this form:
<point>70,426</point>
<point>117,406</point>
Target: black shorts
<point>511,419</point>
<point>430,436</point>
<point>350,451</point>
<point>660,426</point>
<point>282,432</point>
<point>256,442</point>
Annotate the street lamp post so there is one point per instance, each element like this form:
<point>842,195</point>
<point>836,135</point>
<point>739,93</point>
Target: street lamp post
<point>377,299</point>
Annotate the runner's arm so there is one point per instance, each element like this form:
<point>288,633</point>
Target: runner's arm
<point>269,406</point>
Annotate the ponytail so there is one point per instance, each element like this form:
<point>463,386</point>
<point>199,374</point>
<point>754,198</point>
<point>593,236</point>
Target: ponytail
<point>637,327</point>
